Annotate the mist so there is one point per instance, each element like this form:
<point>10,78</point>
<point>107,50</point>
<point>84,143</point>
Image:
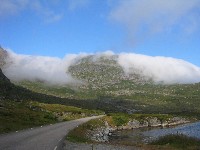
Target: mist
<point>51,70</point>
<point>54,70</point>
<point>144,18</point>
<point>160,69</point>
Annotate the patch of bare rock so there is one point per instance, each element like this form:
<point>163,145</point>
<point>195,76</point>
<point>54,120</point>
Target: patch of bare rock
<point>102,134</point>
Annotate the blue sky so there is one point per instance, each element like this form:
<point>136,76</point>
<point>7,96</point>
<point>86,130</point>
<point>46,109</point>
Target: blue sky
<point>58,27</point>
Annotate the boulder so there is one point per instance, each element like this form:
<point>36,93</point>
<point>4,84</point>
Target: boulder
<point>133,124</point>
<point>154,122</point>
<point>176,121</point>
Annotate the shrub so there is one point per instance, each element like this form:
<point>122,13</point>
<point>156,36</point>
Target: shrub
<point>178,141</point>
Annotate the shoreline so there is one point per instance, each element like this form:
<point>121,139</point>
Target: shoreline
<point>67,145</point>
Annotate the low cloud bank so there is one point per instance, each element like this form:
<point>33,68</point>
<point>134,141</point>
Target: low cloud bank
<point>160,69</point>
<point>54,70</point>
<point>48,69</point>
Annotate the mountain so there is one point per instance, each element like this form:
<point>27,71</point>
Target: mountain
<point>104,72</point>
<point>105,85</point>
<point>5,84</point>
<point>15,93</point>
<point>21,108</point>
<point>3,78</point>
<point>3,56</point>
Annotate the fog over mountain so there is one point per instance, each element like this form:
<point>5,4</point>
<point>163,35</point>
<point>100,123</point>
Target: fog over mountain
<point>54,70</point>
<point>48,69</point>
<point>161,69</point>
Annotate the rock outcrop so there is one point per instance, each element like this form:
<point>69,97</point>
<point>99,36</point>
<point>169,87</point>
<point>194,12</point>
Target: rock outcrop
<point>153,122</point>
<point>102,134</point>
<point>3,78</point>
<point>5,85</point>
<point>3,57</point>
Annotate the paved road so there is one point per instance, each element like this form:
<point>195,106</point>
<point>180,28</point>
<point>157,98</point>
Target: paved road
<point>41,138</point>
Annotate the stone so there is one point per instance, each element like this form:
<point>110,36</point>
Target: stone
<point>144,123</point>
<point>101,134</point>
<point>133,124</point>
<point>177,120</point>
<point>154,122</point>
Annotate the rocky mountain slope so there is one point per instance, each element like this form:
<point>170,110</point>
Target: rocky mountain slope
<point>103,72</point>
<point>3,56</point>
<point>5,85</point>
<point>3,78</point>
<point>21,108</point>
<point>106,86</point>
<point>95,71</point>
<point>16,93</point>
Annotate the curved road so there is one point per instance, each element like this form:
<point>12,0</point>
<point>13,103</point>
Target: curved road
<point>41,138</point>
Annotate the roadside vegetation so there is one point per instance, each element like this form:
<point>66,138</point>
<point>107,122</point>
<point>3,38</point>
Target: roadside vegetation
<point>120,119</point>
<point>115,121</point>
<point>63,112</point>
<point>104,88</point>
<point>80,134</point>
<point>20,115</point>
<point>178,141</point>
<point>17,116</point>
<point>21,108</point>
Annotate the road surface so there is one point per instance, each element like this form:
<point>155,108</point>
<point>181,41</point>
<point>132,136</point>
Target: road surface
<point>41,138</point>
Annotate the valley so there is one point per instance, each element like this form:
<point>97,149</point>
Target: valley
<point>102,87</point>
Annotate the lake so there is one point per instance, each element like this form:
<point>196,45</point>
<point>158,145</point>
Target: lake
<point>145,135</point>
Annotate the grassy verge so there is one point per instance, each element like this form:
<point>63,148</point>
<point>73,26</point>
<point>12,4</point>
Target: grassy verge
<point>119,119</point>
<point>178,142</point>
<point>16,116</point>
<point>66,113</point>
<point>21,115</point>
<point>79,134</point>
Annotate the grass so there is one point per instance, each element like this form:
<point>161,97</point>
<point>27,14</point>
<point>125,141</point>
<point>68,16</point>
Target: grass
<point>168,142</point>
<point>21,115</point>
<point>119,119</point>
<point>65,108</point>
<point>146,98</point>
<point>79,134</point>
<point>178,141</point>
<point>104,78</point>
<point>106,91</point>
<point>66,112</point>
<point>17,116</point>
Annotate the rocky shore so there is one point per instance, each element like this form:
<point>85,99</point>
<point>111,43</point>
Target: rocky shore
<point>102,134</point>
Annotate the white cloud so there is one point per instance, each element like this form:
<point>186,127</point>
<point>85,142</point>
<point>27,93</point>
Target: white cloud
<point>160,69</point>
<point>75,4</point>
<point>46,11</point>
<point>155,16</point>
<point>11,7</point>
<point>54,70</point>
<point>49,69</point>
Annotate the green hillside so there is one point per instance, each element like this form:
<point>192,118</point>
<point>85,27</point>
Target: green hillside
<point>21,108</point>
<point>107,87</point>
<point>104,85</point>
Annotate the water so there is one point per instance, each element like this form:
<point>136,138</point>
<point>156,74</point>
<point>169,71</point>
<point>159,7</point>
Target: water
<point>192,130</point>
<point>145,135</point>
